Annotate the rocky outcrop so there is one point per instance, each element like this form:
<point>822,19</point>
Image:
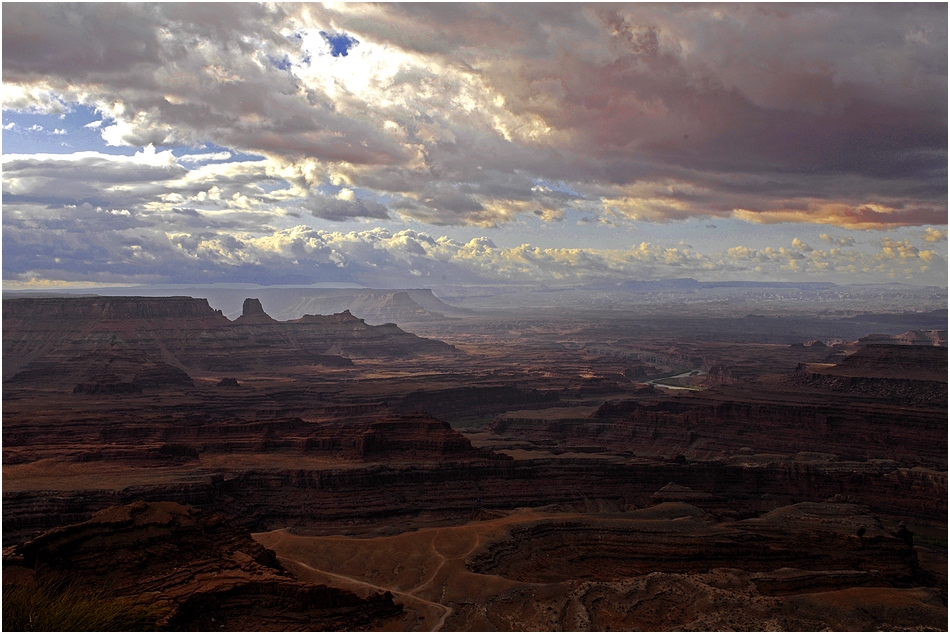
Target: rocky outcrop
<point>53,310</point>
<point>399,438</point>
<point>909,338</point>
<point>416,437</point>
<point>925,363</point>
<point>453,487</point>
<point>882,402</point>
<point>253,313</point>
<point>844,539</point>
<point>186,333</point>
<point>705,426</point>
<point>114,371</point>
<point>912,375</point>
<point>199,572</point>
<point>719,374</point>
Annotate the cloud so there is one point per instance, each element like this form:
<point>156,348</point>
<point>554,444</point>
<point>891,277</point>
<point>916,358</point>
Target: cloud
<point>99,179</point>
<point>801,246</point>
<point>184,244</point>
<point>934,235</point>
<point>845,241</point>
<point>852,216</point>
<point>344,206</point>
<point>201,158</point>
<point>828,114</point>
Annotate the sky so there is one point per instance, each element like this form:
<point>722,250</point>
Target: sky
<point>418,145</point>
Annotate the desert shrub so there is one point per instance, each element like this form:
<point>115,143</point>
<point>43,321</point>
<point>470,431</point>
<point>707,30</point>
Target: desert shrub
<point>49,605</point>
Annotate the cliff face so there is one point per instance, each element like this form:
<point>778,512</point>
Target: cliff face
<point>415,437</point>
<point>197,569</point>
<point>188,334</point>
<point>453,482</point>
<point>909,375</point>
<point>702,427</point>
<point>76,310</point>
<point>819,538</point>
<point>882,402</point>
<point>253,313</point>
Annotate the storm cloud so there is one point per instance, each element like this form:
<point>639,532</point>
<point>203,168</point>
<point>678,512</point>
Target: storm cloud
<point>465,115</point>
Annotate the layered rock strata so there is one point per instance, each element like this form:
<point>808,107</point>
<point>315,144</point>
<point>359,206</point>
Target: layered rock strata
<point>187,333</point>
<point>196,569</point>
<point>453,488</point>
<point>840,545</point>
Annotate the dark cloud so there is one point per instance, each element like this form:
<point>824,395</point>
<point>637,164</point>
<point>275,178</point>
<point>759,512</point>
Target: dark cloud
<point>343,208</point>
<point>470,114</point>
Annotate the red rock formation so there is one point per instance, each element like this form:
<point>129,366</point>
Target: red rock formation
<point>200,571</point>
<point>901,374</point>
<point>188,334</point>
<point>107,371</point>
<point>707,425</point>
<point>253,313</point>
<point>909,338</point>
<point>415,437</point>
<point>677,538</point>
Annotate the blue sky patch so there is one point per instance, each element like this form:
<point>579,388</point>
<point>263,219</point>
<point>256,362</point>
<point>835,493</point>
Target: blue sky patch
<point>340,43</point>
<point>213,153</point>
<point>80,130</point>
<point>32,133</point>
<point>282,64</point>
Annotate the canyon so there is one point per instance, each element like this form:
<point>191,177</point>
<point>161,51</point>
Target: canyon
<point>479,469</point>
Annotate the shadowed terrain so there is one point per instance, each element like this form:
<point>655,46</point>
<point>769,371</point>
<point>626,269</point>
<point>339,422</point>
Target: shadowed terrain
<point>491,471</point>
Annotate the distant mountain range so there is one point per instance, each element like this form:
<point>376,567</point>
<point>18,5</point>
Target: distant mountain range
<point>129,343</point>
<point>376,306</point>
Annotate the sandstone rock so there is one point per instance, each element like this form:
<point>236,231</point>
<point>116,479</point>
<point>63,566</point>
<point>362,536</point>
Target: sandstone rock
<point>201,571</point>
<point>828,546</point>
<point>253,313</point>
<point>185,333</point>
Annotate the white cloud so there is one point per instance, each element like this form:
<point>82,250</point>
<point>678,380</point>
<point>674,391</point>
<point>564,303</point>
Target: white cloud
<point>934,235</point>
<point>455,112</point>
<point>201,158</point>
<point>845,241</point>
<point>801,246</point>
<point>465,115</point>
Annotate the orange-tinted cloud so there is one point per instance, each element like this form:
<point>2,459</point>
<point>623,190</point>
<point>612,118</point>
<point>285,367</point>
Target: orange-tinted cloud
<point>867,216</point>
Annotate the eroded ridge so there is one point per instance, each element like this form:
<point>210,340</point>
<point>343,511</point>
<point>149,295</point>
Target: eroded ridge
<point>670,566</point>
<point>193,569</point>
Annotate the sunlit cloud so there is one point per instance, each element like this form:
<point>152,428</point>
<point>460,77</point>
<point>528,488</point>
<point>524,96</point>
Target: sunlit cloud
<point>636,118</point>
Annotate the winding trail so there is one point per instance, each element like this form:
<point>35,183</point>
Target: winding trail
<point>358,582</point>
<point>408,596</point>
<point>445,547</point>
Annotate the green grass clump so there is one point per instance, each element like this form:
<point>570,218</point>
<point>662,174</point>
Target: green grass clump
<point>53,606</point>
